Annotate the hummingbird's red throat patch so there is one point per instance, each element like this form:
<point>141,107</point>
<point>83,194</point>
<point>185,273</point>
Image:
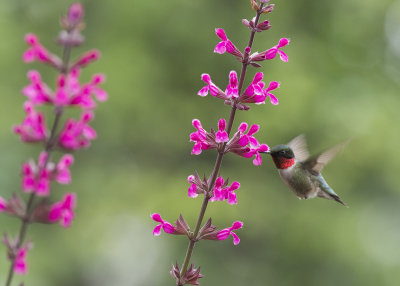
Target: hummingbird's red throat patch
<point>283,163</point>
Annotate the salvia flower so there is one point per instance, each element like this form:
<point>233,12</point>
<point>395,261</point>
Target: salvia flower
<point>203,140</point>
<point>245,144</point>
<point>77,134</point>
<point>221,136</point>
<point>197,185</point>
<point>211,87</point>
<point>36,52</point>
<point>225,45</point>
<point>63,211</point>
<point>37,91</point>
<point>20,262</point>
<point>224,192</point>
<point>69,91</point>
<point>33,127</point>
<point>3,205</point>
<point>36,177</point>
<point>166,226</point>
<point>271,53</point>
<point>224,234</point>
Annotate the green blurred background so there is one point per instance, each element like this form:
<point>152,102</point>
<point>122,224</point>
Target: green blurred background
<point>341,81</point>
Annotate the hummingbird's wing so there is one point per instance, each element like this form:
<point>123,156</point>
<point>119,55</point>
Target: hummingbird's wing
<point>317,162</point>
<point>299,147</point>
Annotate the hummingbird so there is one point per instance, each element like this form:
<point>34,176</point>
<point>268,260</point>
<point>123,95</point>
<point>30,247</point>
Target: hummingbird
<point>302,173</point>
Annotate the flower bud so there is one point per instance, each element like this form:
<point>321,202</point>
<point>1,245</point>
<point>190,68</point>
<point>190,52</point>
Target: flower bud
<point>254,5</point>
<point>268,9</point>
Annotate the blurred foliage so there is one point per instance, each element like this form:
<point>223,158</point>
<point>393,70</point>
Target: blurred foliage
<point>341,82</point>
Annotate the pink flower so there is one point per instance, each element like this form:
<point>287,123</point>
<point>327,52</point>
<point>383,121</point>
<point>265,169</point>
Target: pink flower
<point>36,178</point>
<point>20,263</point>
<point>224,192</point>
<point>166,226</point>
<point>68,91</point>
<point>225,45</point>
<point>224,234</point>
<point>245,144</point>
<point>63,211</point>
<point>221,135</point>
<point>77,134</point>
<point>192,191</point>
<point>37,91</point>
<point>86,58</point>
<point>232,88</point>
<point>75,13</point>
<point>33,128</point>
<point>200,138</point>
<point>39,53</point>
<point>272,85</point>
<point>255,92</point>
<point>271,53</point>
<point>210,87</point>
<point>3,205</point>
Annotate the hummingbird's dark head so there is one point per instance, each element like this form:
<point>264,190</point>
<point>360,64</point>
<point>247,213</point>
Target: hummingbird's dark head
<point>283,156</point>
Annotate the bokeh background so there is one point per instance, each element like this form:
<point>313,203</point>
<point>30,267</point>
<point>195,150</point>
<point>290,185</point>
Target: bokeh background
<point>341,82</point>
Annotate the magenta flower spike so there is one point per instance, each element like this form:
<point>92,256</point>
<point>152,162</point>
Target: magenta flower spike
<point>224,234</point>
<point>166,226</point>
<point>243,142</point>
<point>37,176</point>
<point>20,263</point>
<point>271,53</point>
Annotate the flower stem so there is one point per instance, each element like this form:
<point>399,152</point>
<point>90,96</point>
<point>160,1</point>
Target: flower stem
<point>218,161</point>
<point>49,147</point>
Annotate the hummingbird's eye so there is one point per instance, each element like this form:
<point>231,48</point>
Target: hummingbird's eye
<point>282,152</point>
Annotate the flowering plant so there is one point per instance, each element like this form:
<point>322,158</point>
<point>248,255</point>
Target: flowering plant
<point>242,142</point>
<point>67,136</point>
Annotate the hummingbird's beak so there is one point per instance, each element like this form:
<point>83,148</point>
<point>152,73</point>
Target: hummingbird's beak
<point>266,152</point>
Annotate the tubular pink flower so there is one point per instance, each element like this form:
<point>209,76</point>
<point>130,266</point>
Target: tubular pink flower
<point>20,263</point>
<point>232,89</point>
<point>245,144</point>
<point>36,178</point>
<point>33,127</point>
<point>271,53</point>
<point>37,91</point>
<point>63,211</point>
<point>224,192</point>
<point>192,191</point>
<point>3,205</point>
<point>224,234</point>
<point>166,226</point>
<point>272,85</point>
<point>210,87</point>
<point>225,45</point>
<point>77,134</point>
<point>221,135</point>
<point>86,59</point>
<point>39,53</point>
